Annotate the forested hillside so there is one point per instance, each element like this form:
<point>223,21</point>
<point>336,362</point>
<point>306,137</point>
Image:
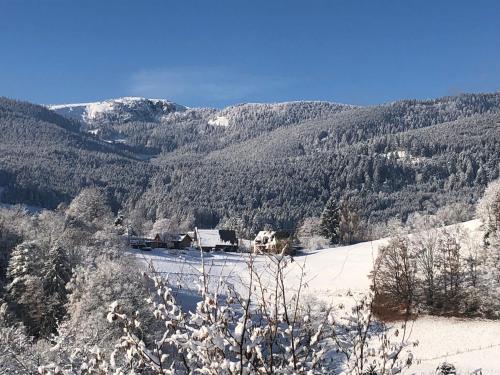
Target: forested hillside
<point>266,164</point>
<point>392,159</point>
<point>45,160</point>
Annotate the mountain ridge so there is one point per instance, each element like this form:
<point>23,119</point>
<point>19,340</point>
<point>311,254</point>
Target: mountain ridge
<point>267,166</point>
<point>88,112</point>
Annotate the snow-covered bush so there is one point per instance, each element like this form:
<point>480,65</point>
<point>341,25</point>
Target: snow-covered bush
<point>488,208</point>
<point>368,346</point>
<point>262,328</point>
<point>455,213</point>
<point>164,227</point>
<point>308,234</point>
<point>446,368</point>
<point>91,291</point>
<point>315,243</point>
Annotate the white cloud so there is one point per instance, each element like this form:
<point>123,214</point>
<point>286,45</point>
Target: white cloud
<point>204,85</point>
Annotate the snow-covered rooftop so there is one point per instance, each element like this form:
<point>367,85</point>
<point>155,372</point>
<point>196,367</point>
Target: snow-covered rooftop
<point>214,237</point>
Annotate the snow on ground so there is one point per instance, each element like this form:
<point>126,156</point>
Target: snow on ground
<point>341,268</point>
<point>403,155</point>
<point>219,121</point>
<point>470,344</point>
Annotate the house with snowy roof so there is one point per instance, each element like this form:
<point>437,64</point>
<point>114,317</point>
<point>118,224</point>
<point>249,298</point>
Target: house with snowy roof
<point>273,242</point>
<point>216,239</point>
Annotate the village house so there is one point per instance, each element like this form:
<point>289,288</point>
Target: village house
<point>216,239</point>
<point>165,241</point>
<point>172,241</point>
<point>272,242</point>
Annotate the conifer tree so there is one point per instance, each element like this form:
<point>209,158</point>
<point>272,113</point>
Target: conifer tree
<point>19,267</point>
<point>57,273</point>
<point>24,291</point>
<point>330,221</point>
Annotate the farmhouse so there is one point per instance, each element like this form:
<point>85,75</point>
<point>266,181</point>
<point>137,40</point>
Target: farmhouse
<point>165,241</point>
<point>216,239</point>
<point>172,241</point>
<point>272,242</point>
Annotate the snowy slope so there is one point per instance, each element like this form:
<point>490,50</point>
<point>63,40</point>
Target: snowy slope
<point>468,343</point>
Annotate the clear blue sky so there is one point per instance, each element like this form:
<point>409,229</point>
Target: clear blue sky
<point>215,53</point>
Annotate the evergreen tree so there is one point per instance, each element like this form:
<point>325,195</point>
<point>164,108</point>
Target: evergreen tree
<point>17,271</point>
<point>25,291</point>
<point>330,221</point>
<point>57,273</point>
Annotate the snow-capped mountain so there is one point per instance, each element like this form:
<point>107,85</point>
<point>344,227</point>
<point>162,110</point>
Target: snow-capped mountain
<point>118,110</point>
<point>127,109</point>
<point>121,120</point>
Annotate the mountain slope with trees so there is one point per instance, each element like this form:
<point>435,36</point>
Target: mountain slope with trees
<point>265,164</point>
<point>46,160</point>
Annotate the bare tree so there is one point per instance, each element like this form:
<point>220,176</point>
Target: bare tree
<point>395,275</point>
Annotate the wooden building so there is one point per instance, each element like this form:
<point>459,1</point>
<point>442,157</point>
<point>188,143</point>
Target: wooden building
<point>216,239</point>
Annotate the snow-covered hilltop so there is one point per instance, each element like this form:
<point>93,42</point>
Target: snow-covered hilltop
<point>283,113</point>
<point>118,110</point>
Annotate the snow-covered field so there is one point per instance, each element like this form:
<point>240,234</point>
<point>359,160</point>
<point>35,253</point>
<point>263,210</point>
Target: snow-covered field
<point>470,344</point>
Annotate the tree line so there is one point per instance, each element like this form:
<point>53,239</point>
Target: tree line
<point>443,270</point>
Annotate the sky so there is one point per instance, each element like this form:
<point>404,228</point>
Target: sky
<point>217,53</point>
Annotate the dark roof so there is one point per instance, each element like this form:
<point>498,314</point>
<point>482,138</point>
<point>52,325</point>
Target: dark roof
<point>228,236</point>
